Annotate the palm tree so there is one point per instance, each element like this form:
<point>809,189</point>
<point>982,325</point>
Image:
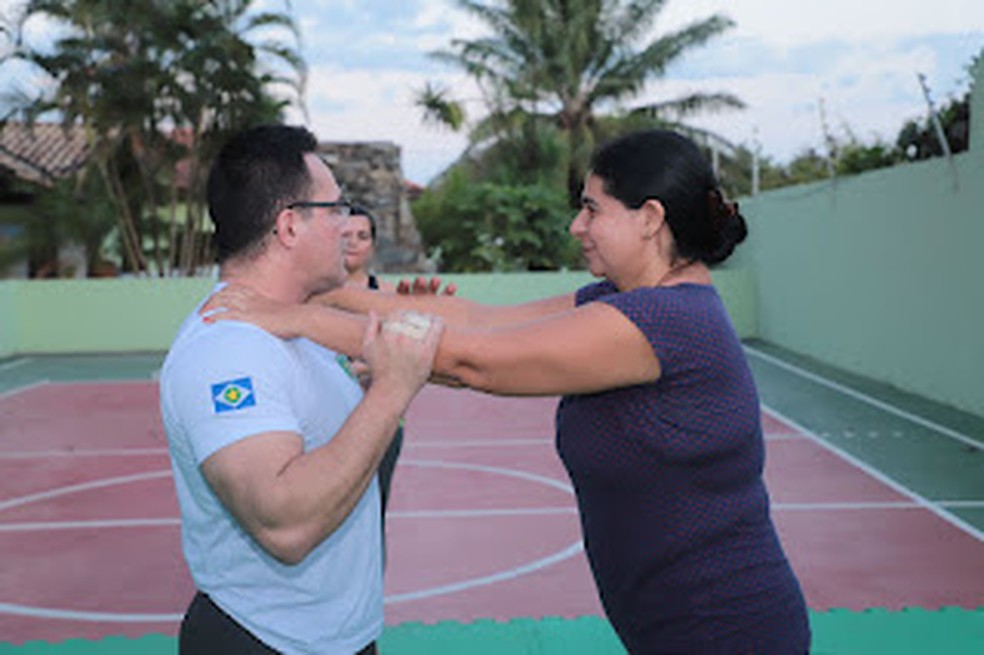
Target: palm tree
<point>136,73</point>
<point>558,64</point>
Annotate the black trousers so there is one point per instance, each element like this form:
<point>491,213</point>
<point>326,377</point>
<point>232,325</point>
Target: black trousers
<point>207,630</point>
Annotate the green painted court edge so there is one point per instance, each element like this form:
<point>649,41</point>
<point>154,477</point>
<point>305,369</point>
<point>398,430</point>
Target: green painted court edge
<point>24,372</point>
<point>950,631</point>
<point>933,452</point>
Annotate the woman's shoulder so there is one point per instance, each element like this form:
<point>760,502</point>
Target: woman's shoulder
<point>594,291</point>
<point>686,293</point>
<point>662,307</point>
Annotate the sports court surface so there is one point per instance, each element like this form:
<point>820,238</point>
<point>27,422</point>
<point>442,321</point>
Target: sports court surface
<point>878,496</point>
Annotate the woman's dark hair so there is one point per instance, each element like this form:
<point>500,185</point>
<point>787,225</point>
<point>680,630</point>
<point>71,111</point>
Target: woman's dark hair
<point>670,168</point>
<point>256,174</point>
<point>359,210</point>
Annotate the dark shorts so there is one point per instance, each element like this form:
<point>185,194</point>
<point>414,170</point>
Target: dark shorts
<point>207,630</point>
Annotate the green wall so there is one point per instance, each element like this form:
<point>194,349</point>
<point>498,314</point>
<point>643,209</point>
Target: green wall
<point>879,274</point>
<point>100,315</point>
<point>8,312</point>
<point>132,315</point>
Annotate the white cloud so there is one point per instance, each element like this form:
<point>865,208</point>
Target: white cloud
<point>788,23</point>
<point>379,106</point>
<point>845,52</point>
<point>868,92</point>
<point>443,14</point>
<point>783,56</point>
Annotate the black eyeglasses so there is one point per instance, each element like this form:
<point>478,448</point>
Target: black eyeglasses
<point>340,207</point>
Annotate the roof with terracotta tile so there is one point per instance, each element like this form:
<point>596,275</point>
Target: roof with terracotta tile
<point>43,152</point>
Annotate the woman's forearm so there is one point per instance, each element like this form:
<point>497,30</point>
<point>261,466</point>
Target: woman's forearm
<point>583,351</point>
<point>455,311</point>
<point>338,330</point>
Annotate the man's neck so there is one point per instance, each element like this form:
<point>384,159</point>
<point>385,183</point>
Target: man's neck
<point>265,278</point>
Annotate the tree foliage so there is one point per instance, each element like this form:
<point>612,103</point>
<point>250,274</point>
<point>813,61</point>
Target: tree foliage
<point>846,154</point>
<point>157,85</point>
<point>496,227</point>
<point>918,138</point>
<point>564,64</point>
<point>556,78</point>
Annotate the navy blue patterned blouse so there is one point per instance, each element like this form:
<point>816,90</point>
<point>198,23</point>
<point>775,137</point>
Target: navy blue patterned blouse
<point>669,484</point>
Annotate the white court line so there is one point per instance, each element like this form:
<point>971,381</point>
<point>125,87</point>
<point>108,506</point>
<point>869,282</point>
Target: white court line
<point>781,436</point>
<point>100,524</point>
<point>477,443</point>
<point>107,452</point>
<point>14,364</point>
<point>857,395</point>
<point>972,504</point>
<point>480,513</point>
<point>28,387</point>
<point>508,574</point>
<point>44,381</point>
<point>89,525</point>
<point>463,585</point>
<point>85,486</point>
<point>512,473</point>
<point>88,382</point>
<point>884,479</point>
<point>96,617</point>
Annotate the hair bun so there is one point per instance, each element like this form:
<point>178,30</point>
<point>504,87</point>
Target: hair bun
<point>728,225</point>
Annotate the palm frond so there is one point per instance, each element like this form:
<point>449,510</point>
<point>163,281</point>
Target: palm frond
<point>680,109</point>
<point>438,108</point>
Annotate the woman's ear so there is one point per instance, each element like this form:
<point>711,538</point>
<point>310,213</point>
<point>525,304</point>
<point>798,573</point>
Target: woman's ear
<point>653,216</point>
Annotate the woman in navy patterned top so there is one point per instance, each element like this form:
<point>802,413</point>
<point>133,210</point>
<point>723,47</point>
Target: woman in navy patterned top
<point>659,423</point>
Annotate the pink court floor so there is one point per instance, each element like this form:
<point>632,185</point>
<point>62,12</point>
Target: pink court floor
<point>482,524</point>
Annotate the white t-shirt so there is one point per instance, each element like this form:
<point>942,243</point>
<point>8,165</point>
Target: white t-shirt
<point>229,381</point>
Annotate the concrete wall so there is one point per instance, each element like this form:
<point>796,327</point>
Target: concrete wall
<point>98,315</point>
<point>8,323</point>
<point>880,273</point>
<point>132,315</point>
<point>371,174</point>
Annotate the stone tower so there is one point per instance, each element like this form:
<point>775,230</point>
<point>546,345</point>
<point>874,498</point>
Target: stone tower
<point>371,175</point>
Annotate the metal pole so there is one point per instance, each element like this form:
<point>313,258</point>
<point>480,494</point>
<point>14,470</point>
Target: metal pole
<point>755,164</point>
<point>828,140</point>
<point>938,128</point>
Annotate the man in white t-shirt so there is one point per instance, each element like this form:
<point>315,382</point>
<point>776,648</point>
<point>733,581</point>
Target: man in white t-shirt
<point>274,448</point>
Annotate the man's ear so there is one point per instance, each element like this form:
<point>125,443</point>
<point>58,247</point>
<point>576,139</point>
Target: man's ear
<point>285,227</point>
<point>654,217</point>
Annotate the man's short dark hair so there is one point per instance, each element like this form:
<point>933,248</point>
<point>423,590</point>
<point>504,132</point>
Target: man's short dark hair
<point>257,173</point>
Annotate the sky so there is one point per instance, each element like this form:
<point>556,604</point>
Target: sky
<point>858,59</point>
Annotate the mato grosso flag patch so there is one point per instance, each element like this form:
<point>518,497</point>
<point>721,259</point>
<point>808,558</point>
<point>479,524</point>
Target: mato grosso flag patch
<point>233,395</point>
